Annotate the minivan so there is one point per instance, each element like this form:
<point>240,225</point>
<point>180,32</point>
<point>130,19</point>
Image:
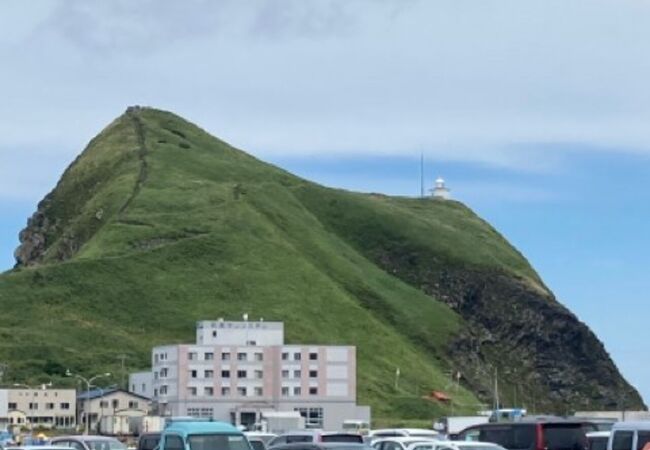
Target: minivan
<point>195,435</point>
<point>532,435</point>
<point>630,436</point>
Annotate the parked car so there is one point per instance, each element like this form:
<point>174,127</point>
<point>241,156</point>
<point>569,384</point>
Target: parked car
<point>201,435</point>
<point>404,443</point>
<point>322,446</point>
<point>597,440</point>
<point>402,432</point>
<point>148,441</point>
<point>531,435</point>
<point>315,436</point>
<point>259,440</point>
<point>629,436</point>
<point>88,442</point>
<point>35,447</point>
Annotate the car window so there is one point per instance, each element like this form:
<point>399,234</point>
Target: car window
<point>76,445</point>
<point>297,438</point>
<point>470,435</point>
<point>425,447</point>
<point>257,445</point>
<point>174,442</point>
<point>391,445</point>
<point>148,443</point>
<point>218,442</point>
<point>564,436</point>
<point>642,439</point>
<point>352,438</point>
<point>622,440</point>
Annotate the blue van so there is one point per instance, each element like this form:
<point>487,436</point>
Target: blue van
<point>196,435</point>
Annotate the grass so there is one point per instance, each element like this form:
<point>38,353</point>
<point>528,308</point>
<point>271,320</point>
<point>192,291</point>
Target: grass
<point>209,231</point>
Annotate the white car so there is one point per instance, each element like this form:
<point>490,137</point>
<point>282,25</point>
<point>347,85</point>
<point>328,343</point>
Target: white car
<point>404,443</point>
<point>403,432</point>
<point>413,443</point>
<point>598,440</point>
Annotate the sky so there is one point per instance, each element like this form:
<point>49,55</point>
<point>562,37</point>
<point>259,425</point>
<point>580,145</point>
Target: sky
<point>535,112</point>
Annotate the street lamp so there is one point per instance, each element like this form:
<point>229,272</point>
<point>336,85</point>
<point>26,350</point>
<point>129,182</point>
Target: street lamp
<point>88,382</point>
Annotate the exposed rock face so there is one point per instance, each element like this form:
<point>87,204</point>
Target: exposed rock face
<point>33,240</point>
<point>544,356</point>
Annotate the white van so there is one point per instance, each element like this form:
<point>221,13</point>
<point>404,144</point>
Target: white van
<point>630,436</point>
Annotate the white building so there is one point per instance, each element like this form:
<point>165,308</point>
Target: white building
<point>237,370</point>
<point>42,407</point>
<point>440,191</point>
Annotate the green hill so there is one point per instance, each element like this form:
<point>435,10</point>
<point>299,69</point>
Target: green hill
<point>157,224</point>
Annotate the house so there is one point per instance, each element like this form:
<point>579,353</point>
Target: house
<point>110,402</point>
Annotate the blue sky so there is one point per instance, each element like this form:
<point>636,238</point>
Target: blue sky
<point>536,112</point>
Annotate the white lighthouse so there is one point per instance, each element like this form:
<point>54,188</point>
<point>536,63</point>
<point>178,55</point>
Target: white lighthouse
<point>440,191</point>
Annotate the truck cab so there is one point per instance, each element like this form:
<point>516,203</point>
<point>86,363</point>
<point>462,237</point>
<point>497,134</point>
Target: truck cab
<point>192,435</point>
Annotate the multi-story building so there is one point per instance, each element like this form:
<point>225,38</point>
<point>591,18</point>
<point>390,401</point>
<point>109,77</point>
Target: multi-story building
<point>237,370</point>
<point>44,407</point>
<point>98,403</point>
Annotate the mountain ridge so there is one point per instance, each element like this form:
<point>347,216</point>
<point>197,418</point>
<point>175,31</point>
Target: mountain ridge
<point>211,217</point>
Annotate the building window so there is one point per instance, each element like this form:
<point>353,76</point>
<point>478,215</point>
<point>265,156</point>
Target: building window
<point>259,374</point>
<point>285,374</point>
<point>214,333</point>
<point>313,417</point>
<point>163,389</point>
<point>191,391</point>
<point>241,357</point>
<point>225,374</point>
<point>259,356</point>
<point>241,374</point>
<point>208,356</point>
<point>313,391</point>
<point>313,356</point>
<point>285,391</point>
<point>225,391</point>
<point>193,373</point>
<point>258,391</point>
<point>201,413</point>
<point>133,387</point>
<point>297,356</point>
<point>191,356</point>
<point>116,403</point>
<point>164,372</point>
<point>49,406</point>
<point>313,374</point>
<point>64,405</point>
<point>144,387</point>
<point>297,391</point>
<point>133,405</point>
<point>285,356</point>
<point>209,391</point>
<point>33,406</point>
<point>209,374</point>
<point>12,406</point>
<point>241,391</point>
<point>103,404</point>
<point>225,356</point>
<point>296,374</point>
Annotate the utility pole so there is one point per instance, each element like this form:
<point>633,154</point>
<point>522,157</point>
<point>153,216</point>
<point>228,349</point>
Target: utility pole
<point>122,359</point>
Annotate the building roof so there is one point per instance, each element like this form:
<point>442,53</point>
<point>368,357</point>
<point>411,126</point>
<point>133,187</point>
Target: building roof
<point>100,393</point>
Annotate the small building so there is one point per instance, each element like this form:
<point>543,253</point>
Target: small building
<point>440,191</point>
<point>238,371</point>
<point>38,407</point>
<point>100,403</point>
<point>141,383</point>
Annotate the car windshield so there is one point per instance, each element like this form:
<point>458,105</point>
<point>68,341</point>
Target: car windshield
<point>352,438</point>
<point>513,437</point>
<point>218,442</point>
<point>105,444</point>
<point>148,443</point>
<point>257,444</point>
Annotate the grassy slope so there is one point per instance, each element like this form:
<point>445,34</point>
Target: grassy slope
<point>213,232</point>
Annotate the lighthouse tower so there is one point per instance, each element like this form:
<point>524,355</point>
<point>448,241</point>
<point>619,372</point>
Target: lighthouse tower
<point>440,191</point>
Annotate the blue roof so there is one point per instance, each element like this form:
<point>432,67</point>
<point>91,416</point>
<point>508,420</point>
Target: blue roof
<point>96,393</point>
<point>185,428</point>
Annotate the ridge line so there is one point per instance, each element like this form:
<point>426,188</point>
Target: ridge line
<point>131,112</point>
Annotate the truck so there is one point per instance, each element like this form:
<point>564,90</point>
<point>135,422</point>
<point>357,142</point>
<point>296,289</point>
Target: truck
<point>452,425</point>
<point>279,422</point>
<point>146,424</point>
<point>114,425</point>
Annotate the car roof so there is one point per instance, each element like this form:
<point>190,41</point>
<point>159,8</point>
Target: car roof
<point>198,427</point>
<point>407,439</point>
<point>36,447</point>
<point>84,437</point>
<point>631,426</point>
<point>323,445</point>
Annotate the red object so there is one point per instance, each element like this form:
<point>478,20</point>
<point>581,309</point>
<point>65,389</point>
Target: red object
<point>440,396</point>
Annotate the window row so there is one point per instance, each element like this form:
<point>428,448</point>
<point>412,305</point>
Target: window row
<point>256,374</point>
<point>115,403</point>
<point>297,374</point>
<point>226,356</point>
<point>33,406</point>
<point>287,391</point>
<point>297,356</point>
<point>208,391</point>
